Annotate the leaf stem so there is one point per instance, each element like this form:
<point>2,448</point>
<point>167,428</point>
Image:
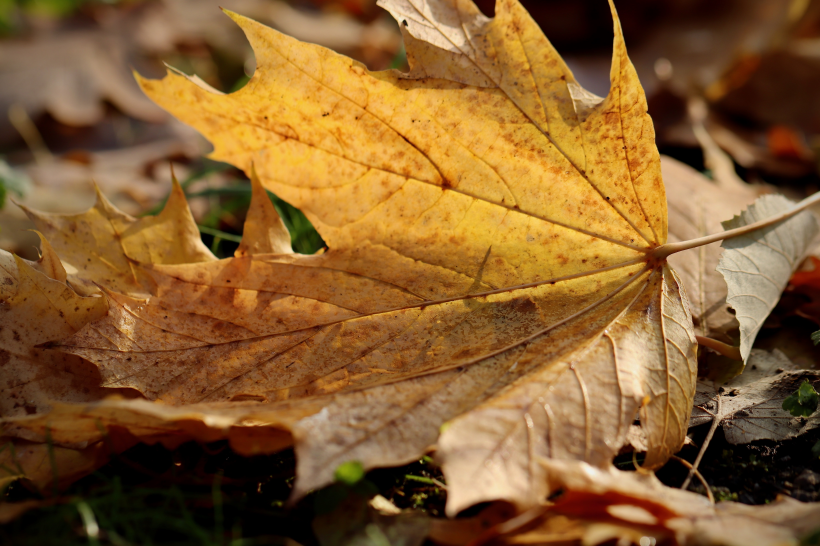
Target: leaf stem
<point>664,251</point>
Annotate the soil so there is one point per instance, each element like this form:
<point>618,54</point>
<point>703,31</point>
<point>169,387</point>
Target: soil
<point>194,483</point>
<point>754,473</point>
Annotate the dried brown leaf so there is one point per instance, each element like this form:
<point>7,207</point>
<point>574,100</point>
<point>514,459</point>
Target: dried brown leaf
<point>35,309</point>
<point>103,243</point>
<point>751,404</point>
<point>696,208</point>
<point>491,267</point>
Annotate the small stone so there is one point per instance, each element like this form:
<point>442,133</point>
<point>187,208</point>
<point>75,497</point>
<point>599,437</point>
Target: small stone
<point>808,479</point>
<point>746,498</point>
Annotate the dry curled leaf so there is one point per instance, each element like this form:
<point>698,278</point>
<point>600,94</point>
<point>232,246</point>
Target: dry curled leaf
<point>696,207</point>
<point>601,506</point>
<point>491,228</point>
<point>751,405</point>
<point>757,266</point>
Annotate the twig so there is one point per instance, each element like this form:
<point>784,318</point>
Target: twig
<point>694,468</point>
<point>21,121</point>
<point>729,351</point>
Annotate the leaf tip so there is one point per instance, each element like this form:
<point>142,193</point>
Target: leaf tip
<point>49,261</point>
<point>240,20</point>
<point>264,230</point>
<point>146,85</point>
<point>616,21</point>
<point>175,185</point>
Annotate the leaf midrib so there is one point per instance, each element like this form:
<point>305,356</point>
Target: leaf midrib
<point>546,133</point>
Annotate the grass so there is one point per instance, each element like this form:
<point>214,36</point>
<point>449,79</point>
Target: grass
<point>206,495</point>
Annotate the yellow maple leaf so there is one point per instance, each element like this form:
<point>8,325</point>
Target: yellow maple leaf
<point>103,243</point>
<point>38,306</point>
<point>491,229</point>
<point>485,172</point>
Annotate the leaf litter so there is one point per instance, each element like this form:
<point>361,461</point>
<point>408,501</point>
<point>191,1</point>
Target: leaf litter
<point>752,404</point>
<point>497,313</point>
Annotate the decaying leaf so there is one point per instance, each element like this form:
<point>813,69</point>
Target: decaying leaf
<point>491,229</point>
<point>498,219</point>
<point>601,506</point>
<point>757,266</point>
<point>35,309</point>
<point>696,208</point>
<point>751,405</point>
<point>103,243</point>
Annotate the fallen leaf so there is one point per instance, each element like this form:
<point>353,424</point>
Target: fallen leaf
<point>447,320</point>
<point>491,286</point>
<point>696,207</point>
<point>599,506</point>
<point>134,178</point>
<point>167,23</point>
<point>70,74</point>
<point>493,249</point>
<point>757,266</point>
<point>35,309</point>
<point>762,364</point>
<point>10,511</point>
<point>45,466</point>
<point>751,405</point>
<point>250,428</point>
<point>465,530</point>
<point>103,243</point>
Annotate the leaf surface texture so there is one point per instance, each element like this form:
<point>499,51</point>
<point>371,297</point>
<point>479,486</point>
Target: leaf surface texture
<point>489,225</point>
